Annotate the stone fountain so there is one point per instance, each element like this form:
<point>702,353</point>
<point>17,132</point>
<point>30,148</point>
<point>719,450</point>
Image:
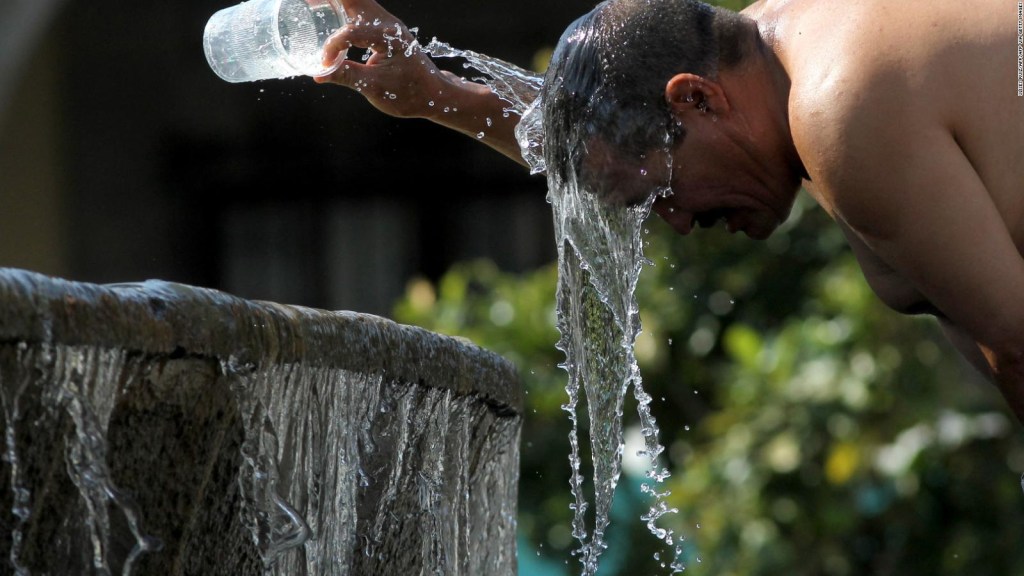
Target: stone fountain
<point>158,428</point>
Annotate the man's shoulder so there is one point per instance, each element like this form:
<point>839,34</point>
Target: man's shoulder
<point>851,130</point>
<point>836,81</point>
<point>837,113</point>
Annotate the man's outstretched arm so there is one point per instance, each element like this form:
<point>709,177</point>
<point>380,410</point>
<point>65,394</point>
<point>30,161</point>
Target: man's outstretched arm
<point>400,80</point>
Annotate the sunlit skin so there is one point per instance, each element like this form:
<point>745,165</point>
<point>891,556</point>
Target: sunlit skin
<point>901,120</point>
<point>734,163</point>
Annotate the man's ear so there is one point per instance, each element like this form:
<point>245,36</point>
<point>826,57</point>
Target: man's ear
<point>688,93</point>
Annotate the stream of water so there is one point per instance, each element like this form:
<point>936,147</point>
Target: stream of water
<point>600,257</point>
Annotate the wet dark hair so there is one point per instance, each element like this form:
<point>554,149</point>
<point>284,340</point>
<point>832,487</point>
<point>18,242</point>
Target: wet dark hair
<point>607,77</point>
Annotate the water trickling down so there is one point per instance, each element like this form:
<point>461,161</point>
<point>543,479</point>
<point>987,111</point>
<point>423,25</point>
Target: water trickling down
<point>80,393</point>
<point>409,448</point>
<point>600,257</point>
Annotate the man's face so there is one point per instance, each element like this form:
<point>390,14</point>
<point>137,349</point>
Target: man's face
<point>712,180</point>
<point>707,191</point>
<point>624,179</point>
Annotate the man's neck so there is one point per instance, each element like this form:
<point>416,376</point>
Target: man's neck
<point>767,69</point>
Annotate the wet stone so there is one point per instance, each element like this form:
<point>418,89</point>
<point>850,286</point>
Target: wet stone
<point>157,428</point>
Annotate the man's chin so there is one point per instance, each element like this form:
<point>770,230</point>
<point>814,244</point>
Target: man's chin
<point>758,230</point>
<point>755,227</point>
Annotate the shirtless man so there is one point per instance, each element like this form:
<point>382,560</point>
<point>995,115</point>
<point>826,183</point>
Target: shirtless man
<point>901,119</point>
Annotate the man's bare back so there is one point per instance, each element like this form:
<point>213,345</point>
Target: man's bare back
<point>951,61</point>
<point>907,119</point>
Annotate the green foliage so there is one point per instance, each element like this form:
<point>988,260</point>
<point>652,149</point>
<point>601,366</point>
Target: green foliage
<point>809,429</point>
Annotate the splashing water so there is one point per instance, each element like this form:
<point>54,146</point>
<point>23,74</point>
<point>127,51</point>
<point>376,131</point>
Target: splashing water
<point>511,83</point>
<point>600,257</point>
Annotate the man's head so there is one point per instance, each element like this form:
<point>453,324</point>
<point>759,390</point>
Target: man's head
<point>629,83</point>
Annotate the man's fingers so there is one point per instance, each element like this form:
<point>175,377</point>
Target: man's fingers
<point>373,35</point>
<point>334,47</point>
<point>350,74</point>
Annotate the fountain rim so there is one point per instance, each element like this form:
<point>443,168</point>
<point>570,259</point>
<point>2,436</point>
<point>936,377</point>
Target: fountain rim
<point>174,320</point>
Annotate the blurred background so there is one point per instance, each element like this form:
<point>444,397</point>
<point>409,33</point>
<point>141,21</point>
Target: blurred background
<point>810,431</point>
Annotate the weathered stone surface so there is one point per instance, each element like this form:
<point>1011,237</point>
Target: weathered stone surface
<point>164,318</point>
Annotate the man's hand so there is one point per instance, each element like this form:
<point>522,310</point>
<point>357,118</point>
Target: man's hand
<point>396,77</point>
